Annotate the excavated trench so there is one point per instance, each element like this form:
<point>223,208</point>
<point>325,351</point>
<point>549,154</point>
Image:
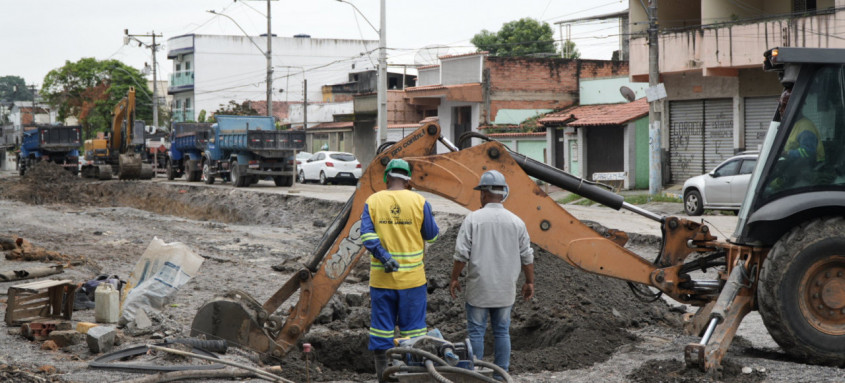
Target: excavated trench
<point>576,319</point>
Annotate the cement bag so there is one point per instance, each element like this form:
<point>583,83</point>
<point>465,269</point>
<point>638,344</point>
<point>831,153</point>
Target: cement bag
<point>162,269</point>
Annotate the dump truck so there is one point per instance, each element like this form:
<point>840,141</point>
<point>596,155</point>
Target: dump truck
<point>57,144</point>
<point>121,152</point>
<point>188,142</point>
<point>246,149</point>
<point>784,259</point>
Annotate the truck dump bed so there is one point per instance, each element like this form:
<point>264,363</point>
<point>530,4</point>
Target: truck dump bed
<point>53,138</point>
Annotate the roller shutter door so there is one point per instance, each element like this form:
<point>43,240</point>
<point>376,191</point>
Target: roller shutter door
<point>758,115</point>
<point>718,132</point>
<point>686,139</point>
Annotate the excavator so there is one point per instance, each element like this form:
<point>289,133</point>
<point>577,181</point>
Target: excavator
<point>786,258</point>
<point>117,154</point>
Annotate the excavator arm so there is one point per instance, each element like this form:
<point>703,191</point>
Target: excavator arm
<point>243,321</point>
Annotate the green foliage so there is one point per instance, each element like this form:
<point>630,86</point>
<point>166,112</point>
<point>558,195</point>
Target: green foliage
<point>570,51</point>
<point>235,109</point>
<point>201,117</point>
<point>89,89</point>
<point>521,37</point>
<point>13,88</point>
<point>571,197</point>
<point>641,199</point>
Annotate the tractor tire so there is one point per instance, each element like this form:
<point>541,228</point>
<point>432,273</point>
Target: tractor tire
<point>238,180</point>
<point>801,292</point>
<point>286,181</point>
<point>693,204</point>
<point>206,174</point>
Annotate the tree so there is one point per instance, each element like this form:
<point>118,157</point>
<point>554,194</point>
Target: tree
<point>89,89</point>
<point>13,88</point>
<point>522,37</point>
<point>570,51</point>
<point>201,117</point>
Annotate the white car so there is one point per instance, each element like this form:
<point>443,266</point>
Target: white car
<point>328,167</point>
<point>722,189</point>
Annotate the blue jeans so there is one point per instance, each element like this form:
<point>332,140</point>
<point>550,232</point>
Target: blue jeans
<point>500,317</point>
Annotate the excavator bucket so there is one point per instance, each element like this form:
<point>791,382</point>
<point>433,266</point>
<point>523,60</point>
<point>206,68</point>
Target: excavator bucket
<point>238,319</point>
<point>131,168</point>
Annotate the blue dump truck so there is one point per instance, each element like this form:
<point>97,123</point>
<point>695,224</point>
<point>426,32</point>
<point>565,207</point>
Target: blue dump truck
<point>57,144</point>
<point>188,141</point>
<point>245,149</point>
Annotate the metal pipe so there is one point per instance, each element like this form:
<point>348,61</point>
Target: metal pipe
<point>645,213</point>
<point>709,332</point>
<point>448,144</point>
<point>569,182</point>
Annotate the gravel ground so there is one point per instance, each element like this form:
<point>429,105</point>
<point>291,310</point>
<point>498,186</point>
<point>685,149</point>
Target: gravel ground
<point>580,328</point>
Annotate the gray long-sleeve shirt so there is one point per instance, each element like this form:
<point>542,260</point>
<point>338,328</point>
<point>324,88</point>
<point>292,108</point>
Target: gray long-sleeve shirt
<point>494,244</point>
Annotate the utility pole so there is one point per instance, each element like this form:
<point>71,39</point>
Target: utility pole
<point>32,111</point>
<point>304,104</point>
<point>269,65</point>
<point>655,163</point>
<point>126,38</point>
<point>382,76</point>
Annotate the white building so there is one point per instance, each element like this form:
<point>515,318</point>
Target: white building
<point>211,70</point>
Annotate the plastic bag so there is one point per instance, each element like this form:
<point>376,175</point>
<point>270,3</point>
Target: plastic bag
<point>162,269</point>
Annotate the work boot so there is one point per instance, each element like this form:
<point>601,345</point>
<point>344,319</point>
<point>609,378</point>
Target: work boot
<point>381,364</point>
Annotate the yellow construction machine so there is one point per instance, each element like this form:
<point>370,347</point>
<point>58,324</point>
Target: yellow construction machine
<point>786,258</point>
<point>119,153</point>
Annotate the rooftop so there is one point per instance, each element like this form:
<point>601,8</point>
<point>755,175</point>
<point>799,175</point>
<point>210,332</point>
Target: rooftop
<point>597,115</point>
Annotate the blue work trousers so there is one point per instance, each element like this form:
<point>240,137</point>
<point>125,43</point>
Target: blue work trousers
<point>390,308</point>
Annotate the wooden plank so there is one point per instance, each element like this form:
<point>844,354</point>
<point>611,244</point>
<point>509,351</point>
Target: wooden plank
<point>42,284</point>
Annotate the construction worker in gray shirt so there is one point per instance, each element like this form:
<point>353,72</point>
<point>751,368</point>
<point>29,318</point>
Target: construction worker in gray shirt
<point>493,245</point>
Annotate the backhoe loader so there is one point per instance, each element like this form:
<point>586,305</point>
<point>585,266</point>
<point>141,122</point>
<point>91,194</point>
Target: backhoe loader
<point>120,153</point>
<point>785,259</point>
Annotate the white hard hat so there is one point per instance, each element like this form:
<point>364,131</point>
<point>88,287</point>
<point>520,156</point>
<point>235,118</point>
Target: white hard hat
<point>491,179</point>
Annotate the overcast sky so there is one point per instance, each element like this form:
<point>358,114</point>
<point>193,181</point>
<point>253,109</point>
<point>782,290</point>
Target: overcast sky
<point>40,35</point>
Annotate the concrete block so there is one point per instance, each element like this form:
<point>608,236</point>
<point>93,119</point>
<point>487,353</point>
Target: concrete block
<point>65,338</point>
<point>101,339</point>
<point>142,321</point>
<point>83,327</point>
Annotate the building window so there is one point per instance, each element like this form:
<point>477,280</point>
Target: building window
<point>178,67</point>
<point>803,6</point>
<point>178,104</point>
<point>187,103</point>
<point>187,65</point>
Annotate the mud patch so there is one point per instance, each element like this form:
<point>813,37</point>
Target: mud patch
<point>576,319</point>
<point>675,371</point>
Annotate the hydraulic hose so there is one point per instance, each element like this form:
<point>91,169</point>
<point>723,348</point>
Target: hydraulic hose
<point>429,366</point>
<point>499,370</point>
<point>443,366</point>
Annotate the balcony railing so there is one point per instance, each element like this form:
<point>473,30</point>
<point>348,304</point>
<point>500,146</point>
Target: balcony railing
<point>182,78</point>
<point>182,115</point>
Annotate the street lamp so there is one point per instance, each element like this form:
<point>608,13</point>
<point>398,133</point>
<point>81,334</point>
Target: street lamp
<point>382,69</point>
<point>267,54</point>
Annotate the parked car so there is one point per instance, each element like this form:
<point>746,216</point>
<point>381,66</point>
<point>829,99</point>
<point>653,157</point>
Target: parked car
<point>722,189</point>
<point>328,167</point>
<point>302,157</point>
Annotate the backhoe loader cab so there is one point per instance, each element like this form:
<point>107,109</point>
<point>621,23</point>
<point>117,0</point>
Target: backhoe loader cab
<point>801,174</point>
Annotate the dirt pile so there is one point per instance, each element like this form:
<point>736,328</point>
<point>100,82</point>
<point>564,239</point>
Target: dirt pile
<point>576,319</point>
<point>48,183</point>
<point>33,374</point>
<point>675,371</point>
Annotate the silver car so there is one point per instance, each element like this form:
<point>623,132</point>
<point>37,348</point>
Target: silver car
<point>722,189</point>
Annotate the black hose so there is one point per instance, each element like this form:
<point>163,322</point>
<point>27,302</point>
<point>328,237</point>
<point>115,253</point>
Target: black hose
<point>504,374</point>
<point>417,352</point>
<point>384,146</point>
<point>389,371</point>
<point>429,366</point>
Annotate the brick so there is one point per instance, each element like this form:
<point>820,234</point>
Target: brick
<point>65,338</point>
<point>83,327</point>
<point>101,339</point>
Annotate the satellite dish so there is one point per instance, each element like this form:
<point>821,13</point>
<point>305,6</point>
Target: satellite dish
<point>429,55</point>
<point>627,93</point>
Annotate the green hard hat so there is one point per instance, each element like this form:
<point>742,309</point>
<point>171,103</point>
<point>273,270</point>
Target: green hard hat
<point>400,164</point>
